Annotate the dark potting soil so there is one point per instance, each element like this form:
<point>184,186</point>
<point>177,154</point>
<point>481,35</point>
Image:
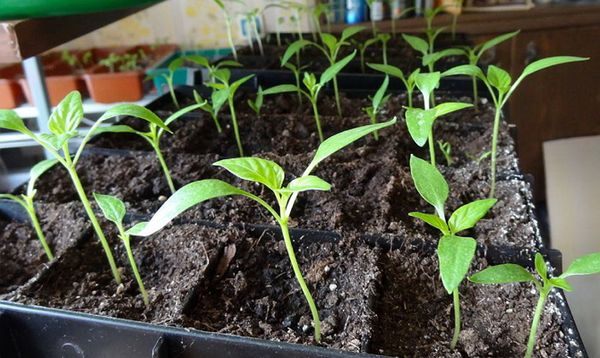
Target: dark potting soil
<point>21,253</point>
<point>255,292</point>
<point>415,314</point>
<point>171,264</point>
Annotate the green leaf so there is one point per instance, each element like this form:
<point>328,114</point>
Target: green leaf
<point>112,208</point>
<point>549,62</point>
<point>540,266</point>
<point>465,70</point>
<point>334,69</point>
<point>343,139</point>
<point>432,220</point>
<point>505,273</point>
<point>388,70</point>
<point>305,183</point>
<point>36,171</point>
<point>469,214</point>
<point>430,183</point>
<point>455,254</point>
<point>584,265</point>
<point>499,78</point>
<point>292,49</point>
<point>137,228</point>
<point>67,115</point>
<point>419,123</point>
<point>330,41</point>
<point>432,58</point>
<point>495,41</point>
<point>235,85</point>
<point>10,120</point>
<point>218,99</point>
<point>427,82</point>
<point>449,107</point>
<point>175,64</point>
<point>561,283</point>
<point>416,43</point>
<point>223,75</point>
<point>14,198</point>
<point>119,128</point>
<point>174,116</point>
<point>255,169</point>
<point>199,60</point>
<point>280,89</point>
<point>183,199</point>
<point>380,93</point>
<point>134,110</point>
<point>350,32</point>
<point>55,141</point>
<point>228,63</point>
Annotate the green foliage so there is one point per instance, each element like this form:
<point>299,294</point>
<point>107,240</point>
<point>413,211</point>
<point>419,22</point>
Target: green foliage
<point>378,101</point>
<point>256,105</point>
<point>362,48</point>
<point>446,149</point>
<point>409,82</point>
<point>123,63</point>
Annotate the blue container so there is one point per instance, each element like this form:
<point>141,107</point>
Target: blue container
<point>356,11</point>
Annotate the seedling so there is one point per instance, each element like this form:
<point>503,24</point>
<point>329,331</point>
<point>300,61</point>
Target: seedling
<point>454,252</point>
<point>26,201</point>
<point>73,60</point>
<point>110,61</point>
<point>362,48</point>
<point>474,55</point>
<point>296,71</point>
<point>123,63</point>
<point>313,87</point>
<point>228,90</point>
<point>428,57</point>
<point>63,125</point>
<point>218,99</point>
<point>114,210</point>
<point>211,68</point>
<point>331,50</point>
<point>280,20</point>
<point>251,18</point>
<point>256,105</point>
<point>378,101</point>
<point>409,82</point>
<point>271,175</point>
<point>500,86</point>
<point>420,121</point>
<point>395,17</point>
<point>430,31</point>
<point>319,10</point>
<point>446,149</point>
<point>172,68</point>
<point>296,18</point>
<point>227,18</point>
<point>373,25</point>
<point>513,273</point>
<point>384,38</point>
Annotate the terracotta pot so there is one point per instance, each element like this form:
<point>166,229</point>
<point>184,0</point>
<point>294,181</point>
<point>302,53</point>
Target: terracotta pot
<point>11,95</point>
<point>60,81</point>
<point>105,87</point>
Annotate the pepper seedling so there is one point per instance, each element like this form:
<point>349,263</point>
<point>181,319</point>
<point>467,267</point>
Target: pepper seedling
<point>114,211</point>
<point>296,71</point>
<point>409,82</point>
<point>384,38</point>
<point>377,102</point>
<point>319,10</point>
<point>26,201</point>
<point>373,25</point>
<point>513,273</point>
<point>74,61</point>
<point>446,149</point>
<point>251,18</point>
<point>211,68</point>
<point>474,54</point>
<point>313,87</point>
<point>395,17</point>
<point>454,252</point>
<point>362,48</point>
<point>229,89</point>
<point>257,104</point>
<point>63,125</point>
<point>331,50</point>
<point>227,18</point>
<point>271,175</point>
<point>500,86</point>
<point>218,99</point>
<point>169,77</point>
<point>420,121</point>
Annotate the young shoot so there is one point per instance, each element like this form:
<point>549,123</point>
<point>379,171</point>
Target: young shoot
<point>251,18</point>
<point>228,90</point>
<point>296,71</point>
<point>430,32</point>
<point>313,88</point>
<point>26,201</point>
<point>370,4</point>
<point>169,76</point>
<point>428,57</point>
<point>114,211</point>
<point>362,48</point>
<point>474,55</point>
<point>454,252</point>
<point>384,38</point>
<point>446,149</point>
<point>378,101</point>
<point>513,273</point>
<point>63,125</point>
<point>395,17</point>
<point>256,105</point>
<point>319,10</point>
<point>227,18</point>
<point>271,176</point>
<point>74,61</point>
<point>218,99</point>
<point>409,82</point>
<point>211,68</point>
<point>331,49</point>
<point>501,86</point>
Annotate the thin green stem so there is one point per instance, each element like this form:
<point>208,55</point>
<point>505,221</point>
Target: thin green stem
<point>30,208</point>
<point>230,36</point>
<point>337,96</point>
<point>92,216</point>
<point>164,166</point>
<point>278,36</point>
<point>134,268</point>
<point>236,130</point>
<point>494,151</point>
<point>298,273</point>
<point>362,60</point>
<point>431,147</point>
<point>539,309</point>
<point>317,120</point>
<point>475,91</point>
<point>409,94</point>
<point>172,90</point>
<point>456,300</point>
<point>385,62</point>
<point>216,120</point>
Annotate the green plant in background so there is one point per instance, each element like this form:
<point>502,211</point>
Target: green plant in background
<point>74,61</point>
<point>114,210</point>
<point>409,82</point>
<point>296,71</point>
<point>474,54</point>
<point>377,103</point>
<point>229,89</point>
<point>155,131</point>
<point>362,48</point>
<point>63,125</point>
<point>211,68</point>
<point>257,104</point>
<point>428,56</point>
<point>26,200</point>
<point>218,99</point>
<point>394,18</point>
<point>124,63</point>
<point>296,18</point>
<point>271,175</point>
<point>331,49</point>
<point>373,25</point>
<point>446,149</point>
<point>251,18</point>
<point>319,10</point>
<point>384,38</point>
<point>513,273</point>
<point>430,32</point>
<point>500,86</point>
<point>228,24</point>
<point>454,252</point>
<point>110,61</point>
<point>313,87</point>
<point>169,76</point>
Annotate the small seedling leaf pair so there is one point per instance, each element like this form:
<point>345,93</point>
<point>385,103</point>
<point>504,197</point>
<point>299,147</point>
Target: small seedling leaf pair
<point>409,82</point>
<point>420,121</point>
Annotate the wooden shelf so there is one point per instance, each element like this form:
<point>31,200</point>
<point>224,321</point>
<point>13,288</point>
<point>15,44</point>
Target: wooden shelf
<point>478,23</point>
<point>22,39</point>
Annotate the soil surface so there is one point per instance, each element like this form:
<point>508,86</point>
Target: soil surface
<point>21,253</point>
<point>416,314</point>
